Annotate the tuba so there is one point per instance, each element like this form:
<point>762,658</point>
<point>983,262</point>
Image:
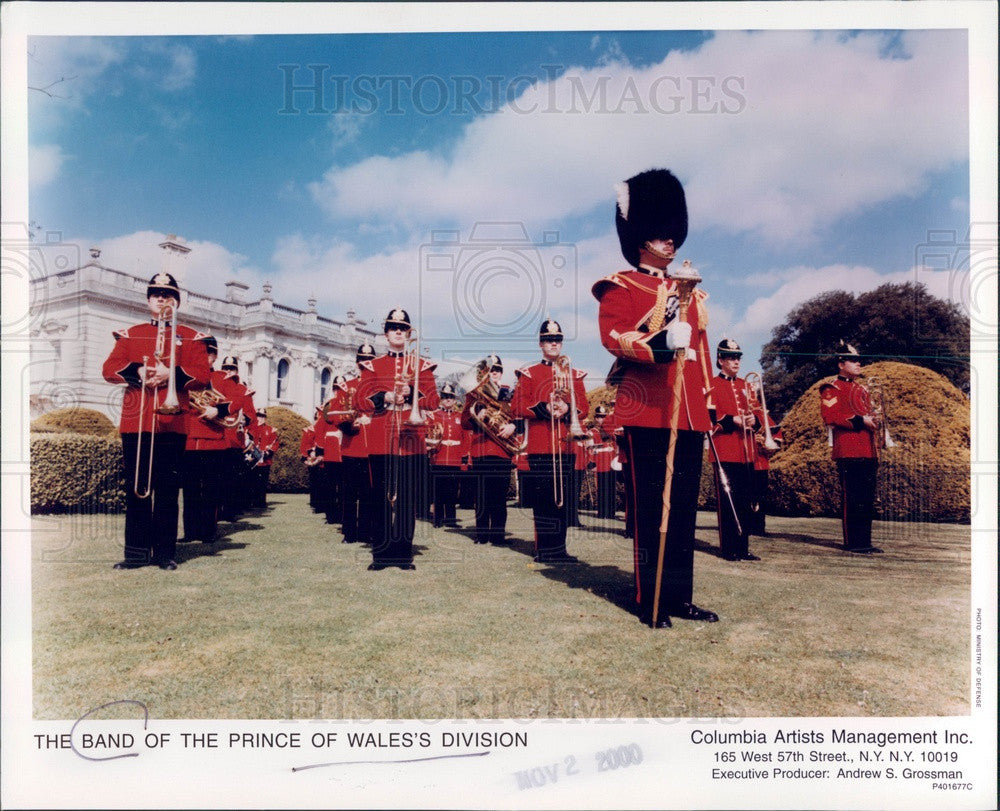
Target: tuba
<point>489,412</point>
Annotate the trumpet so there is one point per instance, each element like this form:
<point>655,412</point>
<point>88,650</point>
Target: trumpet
<point>171,403</point>
<point>767,443</point>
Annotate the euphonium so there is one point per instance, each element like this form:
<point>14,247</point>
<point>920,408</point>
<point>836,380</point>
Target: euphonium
<point>202,399</point>
<point>491,414</point>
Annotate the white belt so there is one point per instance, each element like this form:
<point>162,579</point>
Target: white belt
<point>451,442</point>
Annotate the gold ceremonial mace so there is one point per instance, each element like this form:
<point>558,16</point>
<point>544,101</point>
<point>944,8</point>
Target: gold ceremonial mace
<point>686,281</point>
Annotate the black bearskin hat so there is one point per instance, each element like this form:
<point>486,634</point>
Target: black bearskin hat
<point>651,206</point>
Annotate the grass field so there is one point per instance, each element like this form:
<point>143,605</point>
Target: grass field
<point>279,619</point>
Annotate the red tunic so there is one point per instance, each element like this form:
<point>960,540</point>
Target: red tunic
<point>732,398</point>
<point>645,390</point>
<point>354,439</point>
<point>327,435</point>
<point>535,384</point>
<point>308,441</point>
<point>209,435</point>
<point>136,347</point>
<point>266,438</point>
<point>842,405</point>
<point>602,451</point>
<point>378,378</point>
<point>480,443</point>
<point>452,445</point>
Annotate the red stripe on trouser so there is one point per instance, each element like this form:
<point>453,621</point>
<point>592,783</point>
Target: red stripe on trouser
<point>635,524</point>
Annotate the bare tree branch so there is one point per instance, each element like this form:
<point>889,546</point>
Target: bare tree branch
<point>45,89</point>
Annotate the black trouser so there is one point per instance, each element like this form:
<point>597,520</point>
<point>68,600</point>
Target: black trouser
<point>573,497</point>
<point>551,518</point>
<point>233,496</point>
<point>396,493</point>
<point>492,475</point>
<point>606,494</point>
<point>258,485</point>
<point>758,518</point>
<point>315,486</point>
<point>204,475</point>
<point>356,497</point>
<point>331,482</point>
<point>467,490</point>
<point>734,542</point>
<point>647,452</point>
<point>444,485</point>
<point>151,523</point>
<point>857,494</point>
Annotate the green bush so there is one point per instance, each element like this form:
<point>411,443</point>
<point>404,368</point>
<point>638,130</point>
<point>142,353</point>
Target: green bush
<point>74,421</point>
<point>76,473</point>
<point>926,477</point>
<point>288,474</point>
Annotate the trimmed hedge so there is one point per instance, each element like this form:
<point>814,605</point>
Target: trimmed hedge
<point>926,477</point>
<point>74,421</point>
<point>76,473</point>
<point>288,474</point>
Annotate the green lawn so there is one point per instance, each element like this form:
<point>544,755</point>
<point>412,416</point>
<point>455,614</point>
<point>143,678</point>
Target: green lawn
<point>281,620</point>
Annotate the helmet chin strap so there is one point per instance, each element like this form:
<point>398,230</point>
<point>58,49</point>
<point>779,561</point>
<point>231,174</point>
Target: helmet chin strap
<point>657,253</point>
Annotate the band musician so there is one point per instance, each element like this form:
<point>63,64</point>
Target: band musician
<point>393,390</point>
<point>602,452</point>
<point>653,321</point>
<point>266,439</point>
<point>206,458</point>
<point>158,362</point>
<point>356,492</point>
<point>544,397</point>
<point>846,410</point>
<point>490,452</point>
<point>734,450</point>
<point>445,444</point>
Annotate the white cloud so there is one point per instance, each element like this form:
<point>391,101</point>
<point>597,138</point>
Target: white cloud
<point>205,269</point>
<point>818,126</point>
<point>173,67</point>
<point>44,163</point>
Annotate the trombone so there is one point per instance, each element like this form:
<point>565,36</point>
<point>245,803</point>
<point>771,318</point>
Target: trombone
<point>413,421</point>
<point>876,395</point>
<point>171,403</point>
<point>563,380</point>
<point>756,384</point>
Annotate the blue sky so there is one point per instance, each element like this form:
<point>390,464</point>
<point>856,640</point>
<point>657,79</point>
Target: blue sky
<point>812,161</point>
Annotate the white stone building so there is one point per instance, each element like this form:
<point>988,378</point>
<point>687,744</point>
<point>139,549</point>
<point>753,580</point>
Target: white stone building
<point>288,356</point>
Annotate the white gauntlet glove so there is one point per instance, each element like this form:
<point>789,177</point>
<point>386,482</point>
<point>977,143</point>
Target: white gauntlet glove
<point>678,335</point>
